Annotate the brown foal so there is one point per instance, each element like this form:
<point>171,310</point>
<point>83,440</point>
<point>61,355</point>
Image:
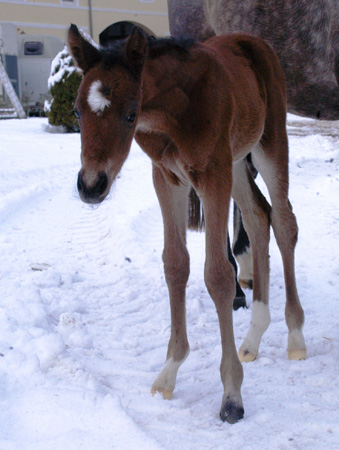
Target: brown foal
<point>197,110</point>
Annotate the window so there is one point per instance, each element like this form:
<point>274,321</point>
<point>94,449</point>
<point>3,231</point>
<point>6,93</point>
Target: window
<point>33,48</point>
<point>69,3</point>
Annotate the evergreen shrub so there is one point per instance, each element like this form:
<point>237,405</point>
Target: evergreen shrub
<point>63,85</point>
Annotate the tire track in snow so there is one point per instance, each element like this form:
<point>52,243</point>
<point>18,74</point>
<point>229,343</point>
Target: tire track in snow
<point>22,190</point>
<point>89,235</point>
<point>20,198</point>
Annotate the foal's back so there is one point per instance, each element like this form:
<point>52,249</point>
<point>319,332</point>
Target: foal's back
<point>257,85</point>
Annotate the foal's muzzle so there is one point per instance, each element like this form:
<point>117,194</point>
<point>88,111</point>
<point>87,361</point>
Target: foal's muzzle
<point>95,193</point>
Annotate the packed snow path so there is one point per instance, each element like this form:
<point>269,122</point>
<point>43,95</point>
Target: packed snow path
<point>85,321</point>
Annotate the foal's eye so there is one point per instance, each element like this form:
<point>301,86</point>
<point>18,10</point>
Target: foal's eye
<point>77,113</point>
<point>131,117</point>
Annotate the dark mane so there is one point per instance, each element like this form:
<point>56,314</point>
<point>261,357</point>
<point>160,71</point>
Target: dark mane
<point>161,46</point>
<point>112,54</point>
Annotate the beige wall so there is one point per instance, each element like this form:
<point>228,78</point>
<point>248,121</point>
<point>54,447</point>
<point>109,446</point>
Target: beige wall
<point>53,17</point>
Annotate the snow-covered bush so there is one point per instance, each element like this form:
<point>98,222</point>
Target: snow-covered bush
<point>63,85</point>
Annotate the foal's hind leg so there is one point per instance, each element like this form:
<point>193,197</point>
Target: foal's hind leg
<point>242,250</point>
<point>255,212</point>
<point>241,245</point>
<point>240,298</point>
<point>173,202</point>
<point>275,174</point>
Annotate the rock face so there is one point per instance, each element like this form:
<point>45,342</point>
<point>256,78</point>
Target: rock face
<point>304,33</point>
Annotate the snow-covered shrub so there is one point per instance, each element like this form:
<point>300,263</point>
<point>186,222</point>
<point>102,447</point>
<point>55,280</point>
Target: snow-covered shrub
<point>63,85</point>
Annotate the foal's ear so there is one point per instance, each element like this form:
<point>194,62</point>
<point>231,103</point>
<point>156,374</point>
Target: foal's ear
<point>135,49</point>
<point>84,53</point>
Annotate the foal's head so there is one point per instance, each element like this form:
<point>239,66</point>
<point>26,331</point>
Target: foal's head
<point>107,107</point>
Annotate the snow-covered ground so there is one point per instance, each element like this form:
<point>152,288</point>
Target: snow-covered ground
<point>84,314</point>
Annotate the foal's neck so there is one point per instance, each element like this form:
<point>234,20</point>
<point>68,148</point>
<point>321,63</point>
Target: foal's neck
<point>168,81</point>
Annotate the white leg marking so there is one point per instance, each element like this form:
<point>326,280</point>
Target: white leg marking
<point>259,322</point>
<point>96,99</point>
<point>165,383</point>
<point>296,345</point>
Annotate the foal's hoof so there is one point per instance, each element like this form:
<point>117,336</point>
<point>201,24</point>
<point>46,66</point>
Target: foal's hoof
<point>239,299</point>
<point>231,413</point>
<point>239,302</point>
<point>246,356</point>
<point>246,284</point>
<point>297,355</point>
<point>167,394</point>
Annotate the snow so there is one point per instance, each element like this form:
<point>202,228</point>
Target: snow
<point>62,66</point>
<point>84,314</point>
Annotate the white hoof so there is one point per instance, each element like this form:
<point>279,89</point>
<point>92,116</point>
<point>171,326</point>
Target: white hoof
<point>167,395</point>
<point>246,356</point>
<point>297,355</point>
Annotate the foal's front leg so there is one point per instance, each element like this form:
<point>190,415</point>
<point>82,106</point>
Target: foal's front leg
<point>215,190</point>
<point>173,203</point>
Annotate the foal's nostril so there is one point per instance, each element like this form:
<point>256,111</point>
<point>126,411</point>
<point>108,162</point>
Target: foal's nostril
<point>80,183</point>
<point>101,184</point>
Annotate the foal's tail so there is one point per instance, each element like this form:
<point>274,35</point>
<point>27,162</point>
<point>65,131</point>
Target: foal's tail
<point>196,219</point>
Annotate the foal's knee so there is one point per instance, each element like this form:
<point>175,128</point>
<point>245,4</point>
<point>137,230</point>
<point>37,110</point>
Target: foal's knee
<point>285,228</point>
<point>219,279</point>
<point>293,228</point>
<point>176,266</point>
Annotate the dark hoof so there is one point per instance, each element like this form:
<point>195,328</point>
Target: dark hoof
<point>231,413</point>
<point>239,302</point>
<point>239,299</point>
